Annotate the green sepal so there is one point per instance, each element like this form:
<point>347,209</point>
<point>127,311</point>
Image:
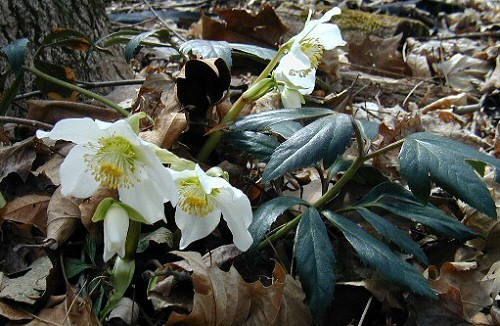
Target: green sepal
<point>176,163</point>
<point>133,214</point>
<point>217,172</point>
<point>102,209</point>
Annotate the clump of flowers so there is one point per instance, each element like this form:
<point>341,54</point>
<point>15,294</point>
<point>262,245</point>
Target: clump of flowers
<point>295,74</point>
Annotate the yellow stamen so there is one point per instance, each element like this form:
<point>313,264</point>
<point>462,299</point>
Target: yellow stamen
<point>193,199</point>
<point>313,49</point>
<point>114,164</point>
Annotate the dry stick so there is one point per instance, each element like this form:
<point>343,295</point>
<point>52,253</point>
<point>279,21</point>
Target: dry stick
<point>180,37</point>
<point>365,311</point>
<point>28,122</point>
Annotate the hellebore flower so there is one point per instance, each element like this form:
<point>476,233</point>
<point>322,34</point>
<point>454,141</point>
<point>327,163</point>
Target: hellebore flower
<point>111,155</point>
<point>116,222</point>
<point>297,68</point>
<point>200,199</point>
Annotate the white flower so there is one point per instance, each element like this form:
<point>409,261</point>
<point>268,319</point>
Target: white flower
<point>201,199</point>
<point>298,67</point>
<point>111,155</point>
<point>116,222</point>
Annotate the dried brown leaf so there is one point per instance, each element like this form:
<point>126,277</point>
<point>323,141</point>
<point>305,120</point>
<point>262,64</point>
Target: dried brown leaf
<point>17,158</point>
<point>493,80</point>
<point>29,209</point>
<point>88,207</point>
<point>240,26</point>
<point>463,72</point>
<point>79,309</point>
<point>53,111</point>
<point>13,313</point>
<point>63,215</point>
<point>224,298</point>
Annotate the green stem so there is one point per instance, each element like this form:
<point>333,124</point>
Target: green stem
<point>134,231</point>
<point>83,91</point>
<point>235,110</point>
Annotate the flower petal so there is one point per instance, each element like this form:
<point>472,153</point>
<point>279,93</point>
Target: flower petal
<point>329,36</point>
<point>116,225</point>
<point>237,211</point>
<point>174,186</point>
<point>156,171</point>
<point>195,227</point>
<point>76,179</point>
<point>208,182</point>
<point>146,198</point>
<point>124,129</point>
<point>291,98</point>
<point>77,130</point>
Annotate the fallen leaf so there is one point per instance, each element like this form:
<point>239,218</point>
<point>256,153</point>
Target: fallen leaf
<point>126,311</point>
<point>29,209</point>
<point>78,309</point>
<point>63,215</point>
<point>13,313</point>
<point>240,26</point>
<point>17,158</point>
<point>446,102</point>
<point>224,298</point>
<point>493,80</point>
<point>29,287</point>
<point>462,72</point>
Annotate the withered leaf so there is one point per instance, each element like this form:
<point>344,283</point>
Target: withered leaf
<point>224,298</point>
<point>29,209</point>
<point>240,26</point>
<point>63,215</point>
<point>17,158</point>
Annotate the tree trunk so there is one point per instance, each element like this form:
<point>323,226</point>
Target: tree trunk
<point>35,19</point>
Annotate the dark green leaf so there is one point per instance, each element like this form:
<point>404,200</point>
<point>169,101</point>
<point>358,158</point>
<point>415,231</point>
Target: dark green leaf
<point>3,202</point>
<point>265,216</point>
<point>325,138</point>
<point>377,254</point>
<point>68,37</point>
<point>117,38</point>
<point>315,262</point>
<point>254,143</point>
<point>91,248</point>
<point>286,128</point>
<point>133,45</point>
<point>400,201</point>
<point>393,234</point>
<point>161,235</point>
<point>74,267</point>
<point>16,54</point>
<point>263,53</point>
<point>368,128</point>
<point>208,49</point>
<point>425,157</point>
<point>263,120</point>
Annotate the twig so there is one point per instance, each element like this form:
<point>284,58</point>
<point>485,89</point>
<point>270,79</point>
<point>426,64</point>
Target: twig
<point>465,35</point>
<point>180,37</point>
<point>28,122</point>
<point>365,311</point>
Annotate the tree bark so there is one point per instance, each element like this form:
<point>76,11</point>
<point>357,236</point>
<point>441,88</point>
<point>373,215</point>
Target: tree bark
<point>35,19</point>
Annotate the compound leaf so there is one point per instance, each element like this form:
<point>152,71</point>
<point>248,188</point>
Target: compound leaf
<point>377,254</point>
<point>325,138</point>
<point>425,157</point>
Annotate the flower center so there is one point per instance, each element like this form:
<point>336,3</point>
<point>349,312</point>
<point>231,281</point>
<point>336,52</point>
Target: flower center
<point>193,199</point>
<point>313,49</point>
<point>113,165</point>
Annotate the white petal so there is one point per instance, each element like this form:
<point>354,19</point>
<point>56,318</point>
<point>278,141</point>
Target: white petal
<point>208,182</point>
<point>116,225</point>
<point>291,98</point>
<point>237,211</point>
<point>145,198</point>
<point>195,227</point>
<point>329,36</point>
<point>176,177</point>
<point>77,130</point>
<point>172,188</point>
<point>122,128</point>
<point>311,25</point>
<point>329,14</point>
<point>156,172</point>
<point>76,179</point>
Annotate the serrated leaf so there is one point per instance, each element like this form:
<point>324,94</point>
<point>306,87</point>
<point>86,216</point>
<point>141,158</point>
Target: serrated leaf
<point>325,138</point>
<point>400,201</point>
<point>425,157</point>
<point>393,234</point>
<point>265,216</point>
<point>208,49</point>
<point>377,254</point>
<point>263,53</point>
<point>160,235</point>
<point>315,262</point>
<point>132,46</point>
<point>263,120</point>
<point>73,266</point>
<point>16,54</point>
<point>254,143</point>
